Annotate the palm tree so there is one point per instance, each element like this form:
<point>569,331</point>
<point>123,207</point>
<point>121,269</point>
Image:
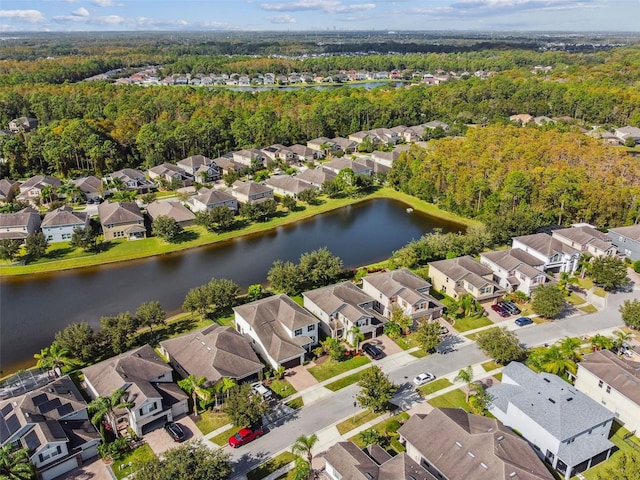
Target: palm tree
<point>356,336</point>
<point>225,386</point>
<point>370,436</point>
<point>569,347</point>
<point>555,361</point>
<point>620,338</point>
<point>465,375</point>
<point>303,445</point>
<point>600,342</point>
<point>102,407</point>
<point>54,357</point>
<point>15,464</point>
<point>193,386</point>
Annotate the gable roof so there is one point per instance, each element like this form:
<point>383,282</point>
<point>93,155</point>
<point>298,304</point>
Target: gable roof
<point>317,176</point>
<point>516,259</point>
<point>40,180</point>
<point>172,209</point>
<point>343,297</point>
<point>6,186</point>
<point>584,235</point>
<point>621,373</point>
<point>545,244</point>
<point>119,212</point>
<point>214,352</point>
<point>402,283</point>
<point>17,219</point>
<point>632,232</point>
<point>195,161</point>
<point>64,215</point>
<point>289,184</point>
<point>471,446</point>
<point>88,184</point>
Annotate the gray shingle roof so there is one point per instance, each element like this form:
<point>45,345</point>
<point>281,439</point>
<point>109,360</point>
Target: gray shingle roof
<point>174,210</point>
<point>88,184</point>
<point>516,259</point>
<point>250,188</point>
<point>317,176</point>
<point>64,216</point>
<point>404,284</point>
<point>632,232</point>
<point>545,244</point>
<point>289,184</point>
<point>343,297</point>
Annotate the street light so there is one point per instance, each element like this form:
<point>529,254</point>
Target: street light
<point>355,404</point>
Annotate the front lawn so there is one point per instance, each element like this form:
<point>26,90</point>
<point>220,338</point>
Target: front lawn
<point>434,386</point>
<point>345,381</point>
<point>282,388</point>
<point>385,428</point>
<point>453,399</point>
<point>588,309</point>
<point>271,466</point>
<point>357,421</point>
<point>406,342</point>
<point>617,437</point>
<point>211,421</point>
<point>491,365</point>
<point>599,292</point>
<point>223,438</point>
<point>574,299</point>
<point>330,368</point>
<point>471,323</point>
<point>132,461</point>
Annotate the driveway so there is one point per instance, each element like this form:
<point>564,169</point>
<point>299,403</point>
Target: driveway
<point>300,378</point>
<point>93,470</point>
<point>160,441</point>
<point>384,343</point>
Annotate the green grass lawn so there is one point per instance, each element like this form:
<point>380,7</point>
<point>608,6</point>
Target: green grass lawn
<point>434,386</point>
<point>390,425</point>
<point>331,368</point>
<point>345,381</point>
<point>210,421</point>
<point>222,438</point>
<point>271,466</point>
<point>419,353</point>
<point>357,420</point>
<point>588,309</point>
<point>137,457</point>
<point>282,388</point>
<point>617,434</point>
<point>585,283</point>
<point>599,292</point>
<point>574,299</point>
<point>498,376</point>
<point>471,323</point>
<point>453,399</point>
<point>491,365</point>
<point>296,403</point>
<point>406,342</point>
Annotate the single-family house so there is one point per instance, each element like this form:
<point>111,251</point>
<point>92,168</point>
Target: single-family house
<point>213,352</point>
<point>404,289</point>
<point>19,225</point>
<point>453,444</point>
<point>626,240</point>
<point>515,269</point>
<point>8,190</point>
<point>32,189</point>
<point>172,209</point>
<point>250,157</point>
<point>169,175</point>
<point>566,428</point>
<point>91,187</point>
<point>625,133</point>
<point>251,192</point>
<point>556,255</point>
<point>286,185</point>
<point>614,382</point>
<point>346,461</point>
<point>226,164</point>
<point>433,124</point>
<point>148,385</point>
<point>279,152</point>
<point>363,136</point>
<point>521,118</point>
<point>412,134</point>
<point>23,124</point>
<point>52,423</point>
<point>464,275</point>
<point>317,176</point>
<point>385,136</point>
<point>345,144</point>
<point>59,224</point>
<point>280,330</point>
<point>586,239</point>
<point>303,153</point>
<point>322,144</point>
<point>387,158</point>
<point>358,166</point>
<point>131,179</point>
<point>210,198</point>
<point>343,306</point>
<point>543,120</point>
<point>604,135</point>
<point>193,164</point>
<point>121,220</point>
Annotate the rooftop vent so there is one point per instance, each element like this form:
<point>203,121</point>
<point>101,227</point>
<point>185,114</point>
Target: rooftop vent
<point>552,400</point>
<point>484,465</point>
<point>569,399</point>
<point>458,444</point>
<point>471,454</point>
<point>501,437</point>
<point>548,381</point>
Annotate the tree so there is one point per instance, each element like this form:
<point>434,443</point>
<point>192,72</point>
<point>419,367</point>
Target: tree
<point>84,238</point>
<point>36,246</point>
<point>54,357</point>
<point>193,386</point>
<point>197,300</point>
<point>150,314</point>
<point>376,389</point>
<point>600,342</point>
<point>370,436</point>
<point>102,409</point>
<point>570,348</point>
<point>356,337</point>
<point>119,331</point>
<point>465,375</point>
<point>626,467</point>
<point>392,329</point>
<point>194,461</point>
<point>320,267</point>
<point>608,272</point>
<point>245,407</point>
<point>554,360</point>
<point>334,348</point>
<point>303,446</point>
<point>223,292</point>
<point>548,301</point>
<point>15,463</point>
<point>309,196</point>
<point>9,249</point>
<point>500,344</point>
<point>480,399</point>
<point>217,219</point>
<point>254,292</point>
<point>399,317</point>
<point>79,340</point>
<point>285,277</point>
<point>166,228</point>
<point>301,469</point>
<point>289,203</point>
<point>630,311</point>
<point>428,335</point>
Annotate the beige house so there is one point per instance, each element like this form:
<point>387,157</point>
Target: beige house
<point>458,276</point>
<point>286,185</point>
<point>19,225</point>
<point>121,220</point>
<point>181,214</point>
<point>251,192</point>
<point>586,239</point>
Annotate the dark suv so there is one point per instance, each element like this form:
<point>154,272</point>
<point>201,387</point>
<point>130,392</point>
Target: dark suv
<point>510,307</point>
<point>373,351</point>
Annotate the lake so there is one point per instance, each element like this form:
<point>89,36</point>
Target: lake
<point>33,308</point>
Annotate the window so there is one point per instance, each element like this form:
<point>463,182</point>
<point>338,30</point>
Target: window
<point>600,383</point>
<point>50,453</point>
<point>311,328</point>
<point>148,408</point>
<point>49,238</point>
<point>297,332</point>
<point>487,289</point>
<point>608,388</point>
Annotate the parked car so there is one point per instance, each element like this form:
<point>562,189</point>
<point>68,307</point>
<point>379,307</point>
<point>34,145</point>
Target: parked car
<point>175,431</point>
<point>423,378</point>
<point>373,351</point>
<point>499,310</point>
<point>510,307</point>
<point>260,389</point>
<point>244,436</point>
<point>522,321</point>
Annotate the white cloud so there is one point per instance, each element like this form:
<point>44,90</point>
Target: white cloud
<point>281,19</point>
<point>81,12</point>
<point>478,8</point>
<point>100,20</point>
<point>28,16</point>
<point>71,1</point>
<point>103,3</point>
<point>327,6</point>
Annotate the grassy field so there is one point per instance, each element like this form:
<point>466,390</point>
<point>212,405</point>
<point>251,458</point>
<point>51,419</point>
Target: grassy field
<point>222,438</point>
<point>331,368</point>
<point>132,461</point>
<point>574,299</point>
<point>434,386</point>
<point>210,421</point>
<point>491,365</point>
<point>61,256</point>
<point>471,323</point>
<point>357,420</point>
<point>453,399</point>
<point>271,466</point>
<point>345,381</point>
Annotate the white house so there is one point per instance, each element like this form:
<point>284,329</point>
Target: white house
<point>208,199</point>
<point>515,269</point>
<point>627,132</point>
<point>279,329</point>
<point>556,255</point>
<point>586,239</point>
<point>286,185</point>
<point>148,384</point>
<point>59,224</point>
<point>614,382</point>
<point>464,275</point>
<point>566,428</point>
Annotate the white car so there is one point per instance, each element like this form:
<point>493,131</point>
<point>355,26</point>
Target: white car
<point>423,378</point>
<point>260,389</point>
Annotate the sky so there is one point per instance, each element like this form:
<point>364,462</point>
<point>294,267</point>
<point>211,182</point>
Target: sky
<point>319,15</point>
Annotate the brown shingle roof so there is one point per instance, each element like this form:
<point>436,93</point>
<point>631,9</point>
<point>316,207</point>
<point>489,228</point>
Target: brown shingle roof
<point>621,373</point>
<point>545,244</point>
<point>174,210</point>
<point>64,216</point>
<point>119,212</point>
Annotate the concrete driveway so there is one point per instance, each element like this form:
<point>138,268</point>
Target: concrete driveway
<point>384,343</point>
<point>300,378</point>
<point>160,441</point>
<point>93,470</point>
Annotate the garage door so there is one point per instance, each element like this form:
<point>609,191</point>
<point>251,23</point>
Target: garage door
<point>60,469</point>
<point>159,423</point>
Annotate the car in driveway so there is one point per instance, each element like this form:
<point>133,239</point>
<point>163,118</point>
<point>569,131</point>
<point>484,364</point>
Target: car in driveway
<point>373,351</point>
<point>261,390</point>
<point>423,378</point>
<point>522,321</point>
<point>175,431</point>
<point>499,310</point>
<point>510,307</point>
<point>244,436</point>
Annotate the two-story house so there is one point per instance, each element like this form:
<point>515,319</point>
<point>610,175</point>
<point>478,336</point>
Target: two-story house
<point>566,428</point>
<point>280,330</point>
<point>121,220</point>
<point>452,444</point>
<point>286,185</point>
<point>515,269</point>
<point>52,423</point>
<point>358,166</point>
<point>169,175</point>
<point>19,225</point>
<point>213,352</point>
<point>317,176</point>
<point>131,179</point>
<point>614,382</point>
<point>31,190</point>
<point>250,157</point>
<point>176,210</point>
<point>279,152</point>
<point>303,153</point>
<point>586,239</point>
<point>59,224</point>
<point>556,255</point>
<point>208,199</point>
<point>195,165</point>
<point>404,289</point>
<point>251,192</point>
<point>626,240</point>
<point>8,190</point>
<point>91,187</point>
<point>463,275</point>
<point>341,307</point>
<point>148,385</point>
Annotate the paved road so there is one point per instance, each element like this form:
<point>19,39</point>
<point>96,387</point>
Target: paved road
<point>401,368</point>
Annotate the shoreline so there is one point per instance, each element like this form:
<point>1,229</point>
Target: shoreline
<point>153,246</point>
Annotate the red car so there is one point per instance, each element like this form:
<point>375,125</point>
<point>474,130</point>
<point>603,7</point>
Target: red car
<point>245,435</point>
